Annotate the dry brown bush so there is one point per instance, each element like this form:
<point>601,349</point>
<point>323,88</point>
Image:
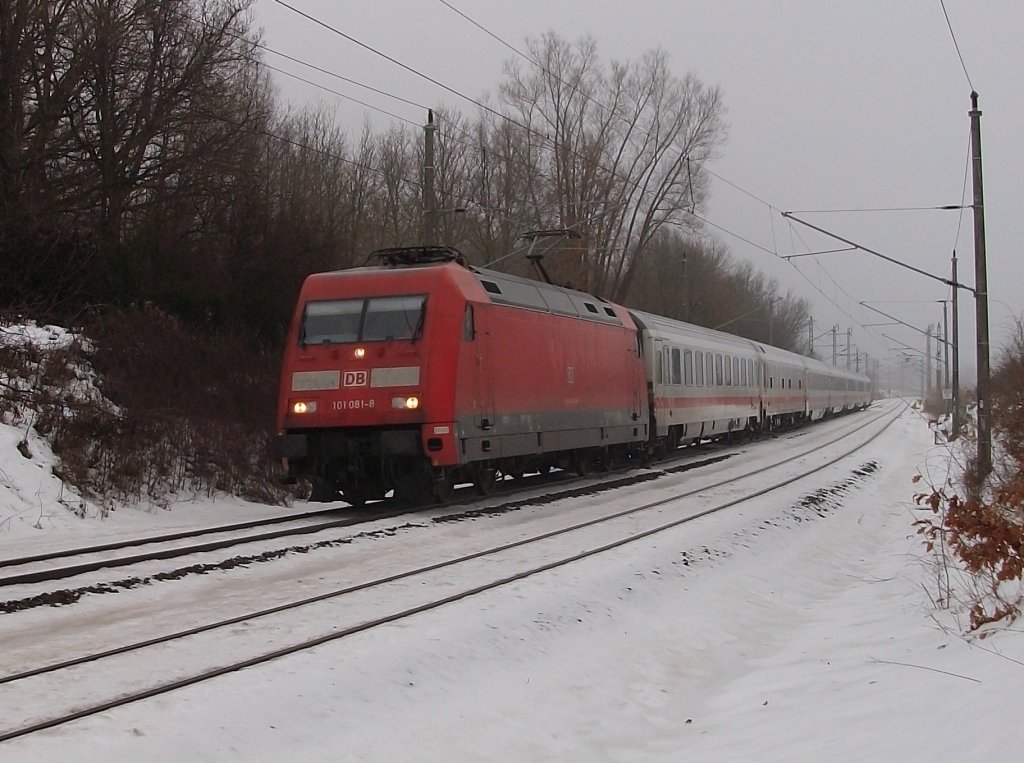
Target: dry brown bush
<point>182,411</point>
<point>985,529</point>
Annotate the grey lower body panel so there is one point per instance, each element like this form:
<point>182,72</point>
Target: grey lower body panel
<point>531,435</point>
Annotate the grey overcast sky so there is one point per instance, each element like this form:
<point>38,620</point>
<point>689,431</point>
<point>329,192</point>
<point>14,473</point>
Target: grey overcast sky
<point>831,104</point>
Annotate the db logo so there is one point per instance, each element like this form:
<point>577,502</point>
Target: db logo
<point>355,379</point>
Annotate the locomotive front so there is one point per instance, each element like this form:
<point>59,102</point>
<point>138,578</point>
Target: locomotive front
<point>367,387</point>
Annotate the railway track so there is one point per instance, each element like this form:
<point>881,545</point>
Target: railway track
<point>370,604</point>
<point>40,568</point>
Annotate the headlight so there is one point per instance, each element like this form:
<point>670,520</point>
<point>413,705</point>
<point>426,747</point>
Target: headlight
<point>300,407</point>
<point>409,403</point>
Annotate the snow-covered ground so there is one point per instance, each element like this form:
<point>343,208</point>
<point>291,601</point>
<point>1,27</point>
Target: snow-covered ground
<point>799,635</point>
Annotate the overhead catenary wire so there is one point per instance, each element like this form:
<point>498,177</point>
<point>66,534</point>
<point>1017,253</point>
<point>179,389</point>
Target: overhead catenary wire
<point>497,211</point>
<point>944,207</point>
<point>635,184</point>
<point>817,288</point>
<point>772,208</point>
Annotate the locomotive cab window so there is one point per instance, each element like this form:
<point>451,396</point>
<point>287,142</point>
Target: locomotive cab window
<point>342,321</point>
<point>393,318</point>
<point>332,322</point>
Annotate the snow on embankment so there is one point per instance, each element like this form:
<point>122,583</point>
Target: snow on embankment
<point>37,374</point>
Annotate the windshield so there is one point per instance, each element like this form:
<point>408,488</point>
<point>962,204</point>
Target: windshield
<point>340,321</point>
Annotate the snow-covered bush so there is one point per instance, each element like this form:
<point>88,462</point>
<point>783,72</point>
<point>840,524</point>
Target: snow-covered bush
<point>144,408</point>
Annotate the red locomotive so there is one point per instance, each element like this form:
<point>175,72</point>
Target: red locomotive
<point>419,372</point>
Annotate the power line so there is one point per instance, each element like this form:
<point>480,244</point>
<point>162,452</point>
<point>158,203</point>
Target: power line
<point>491,34</point>
<point>963,193</point>
<point>956,44</point>
<point>335,75</point>
<point>634,184</point>
<point>527,128</point>
<point>401,65</point>
<point>611,110</point>
<point>340,95</point>
<point>587,97</point>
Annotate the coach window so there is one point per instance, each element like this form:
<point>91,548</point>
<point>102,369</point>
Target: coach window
<point>677,377</point>
<point>659,362</point>
<point>728,372</point>
<point>736,371</point>
<point>719,378</point>
<point>699,363</point>
<point>688,367</point>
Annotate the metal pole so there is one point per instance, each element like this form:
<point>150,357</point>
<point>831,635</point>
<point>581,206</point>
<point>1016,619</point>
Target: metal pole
<point>928,362</point>
<point>849,337</point>
<point>981,296</point>
<point>429,204</point>
<point>945,348</point>
<point>834,328</point>
<point>956,355</point>
<point>686,288</point>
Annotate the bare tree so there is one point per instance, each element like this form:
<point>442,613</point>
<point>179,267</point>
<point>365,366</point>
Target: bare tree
<point>621,151</point>
<point>166,84</point>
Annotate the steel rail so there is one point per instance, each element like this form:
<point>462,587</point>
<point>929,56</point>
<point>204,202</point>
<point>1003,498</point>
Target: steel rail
<point>467,593</point>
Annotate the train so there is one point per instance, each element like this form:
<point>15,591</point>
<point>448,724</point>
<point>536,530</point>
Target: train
<point>418,372</point>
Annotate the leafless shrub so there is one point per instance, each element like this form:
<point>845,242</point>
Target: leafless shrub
<point>147,408</point>
<point>984,531</point>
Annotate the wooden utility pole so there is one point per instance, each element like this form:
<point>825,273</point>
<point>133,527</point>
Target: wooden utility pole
<point>981,296</point>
